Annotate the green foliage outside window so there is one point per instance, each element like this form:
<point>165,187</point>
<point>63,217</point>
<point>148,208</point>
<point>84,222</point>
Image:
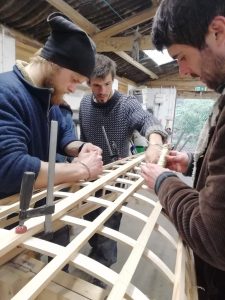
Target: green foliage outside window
<point>190,116</point>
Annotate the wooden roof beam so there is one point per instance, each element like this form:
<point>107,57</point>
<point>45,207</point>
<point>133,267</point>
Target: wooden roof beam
<point>22,38</point>
<point>136,64</point>
<point>88,27</point>
<point>123,44</point>
<point>139,18</point>
<point>180,84</point>
<point>77,18</point>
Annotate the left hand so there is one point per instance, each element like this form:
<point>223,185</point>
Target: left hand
<point>88,147</point>
<point>152,154</point>
<point>150,173</point>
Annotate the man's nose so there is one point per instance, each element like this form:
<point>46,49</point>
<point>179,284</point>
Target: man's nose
<point>102,89</point>
<point>184,70</point>
<point>72,87</point>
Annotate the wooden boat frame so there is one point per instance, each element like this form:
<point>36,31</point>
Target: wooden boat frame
<point>69,209</point>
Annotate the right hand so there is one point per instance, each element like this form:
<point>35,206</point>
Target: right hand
<point>177,161</point>
<point>93,160</point>
<point>88,147</point>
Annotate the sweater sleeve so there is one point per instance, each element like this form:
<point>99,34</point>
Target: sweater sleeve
<point>14,141</point>
<point>141,120</point>
<point>199,215</point>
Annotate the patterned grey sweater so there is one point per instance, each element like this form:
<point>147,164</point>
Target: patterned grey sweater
<point>120,116</point>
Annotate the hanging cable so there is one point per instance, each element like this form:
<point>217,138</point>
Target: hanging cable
<point>109,5</point>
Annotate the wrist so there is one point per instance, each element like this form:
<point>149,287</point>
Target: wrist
<point>155,138</point>
<point>161,178</point>
<point>87,170</point>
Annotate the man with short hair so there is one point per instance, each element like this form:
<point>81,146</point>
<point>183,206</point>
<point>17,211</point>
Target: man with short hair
<point>30,95</point>
<point>193,31</point>
<point>120,115</point>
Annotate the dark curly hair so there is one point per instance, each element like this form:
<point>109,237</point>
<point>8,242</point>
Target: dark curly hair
<point>103,66</point>
<point>184,22</point>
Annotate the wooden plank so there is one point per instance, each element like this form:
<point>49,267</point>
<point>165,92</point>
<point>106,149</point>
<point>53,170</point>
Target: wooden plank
<point>179,282</point>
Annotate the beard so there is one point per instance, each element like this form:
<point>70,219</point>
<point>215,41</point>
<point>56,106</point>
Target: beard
<point>213,69</point>
<point>57,96</point>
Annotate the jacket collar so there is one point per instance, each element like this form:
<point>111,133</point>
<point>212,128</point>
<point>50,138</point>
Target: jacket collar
<point>42,94</point>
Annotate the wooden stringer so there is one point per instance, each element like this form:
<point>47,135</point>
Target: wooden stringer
<point>122,179</point>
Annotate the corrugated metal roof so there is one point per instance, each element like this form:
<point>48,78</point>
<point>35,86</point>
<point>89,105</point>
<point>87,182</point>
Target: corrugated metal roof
<point>29,17</point>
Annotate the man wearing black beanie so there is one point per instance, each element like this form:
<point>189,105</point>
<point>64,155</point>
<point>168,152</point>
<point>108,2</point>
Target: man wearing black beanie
<point>69,46</point>
<point>29,98</point>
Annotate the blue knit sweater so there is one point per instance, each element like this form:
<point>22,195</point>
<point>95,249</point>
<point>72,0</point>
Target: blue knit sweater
<point>120,116</point>
<point>25,116</point>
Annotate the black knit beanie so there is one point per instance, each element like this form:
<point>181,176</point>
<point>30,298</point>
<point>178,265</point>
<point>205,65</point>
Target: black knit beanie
<point>69,46</point>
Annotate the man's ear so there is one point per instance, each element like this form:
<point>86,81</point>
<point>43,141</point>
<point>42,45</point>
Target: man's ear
<point>216,31</point>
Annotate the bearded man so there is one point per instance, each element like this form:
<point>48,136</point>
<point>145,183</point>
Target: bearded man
<point>30,95</point>
<point>193,31</point>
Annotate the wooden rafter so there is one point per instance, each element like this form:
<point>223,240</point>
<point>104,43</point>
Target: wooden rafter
<point>90,28</point>
<point>133,62</point>
<point>184,86</point>
<point>122,44</point>
<point>22,39</point>
<point>126,24</point>
<point>74,16</point>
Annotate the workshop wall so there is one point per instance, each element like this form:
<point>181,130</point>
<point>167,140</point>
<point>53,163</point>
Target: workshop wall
<point>7,51</point>
<point>162,102</point>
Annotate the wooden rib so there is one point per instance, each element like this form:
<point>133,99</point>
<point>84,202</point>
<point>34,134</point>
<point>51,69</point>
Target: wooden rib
<point>120,287</point>
<point>118,237</point>
<point>165,233</point>
<point>144,198</point>
<point>41,280</point>
<point>112,188</point>
<point>123,180</point>
<point>81,261</point>
<point>78,204</point>
<point>122,238</point>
